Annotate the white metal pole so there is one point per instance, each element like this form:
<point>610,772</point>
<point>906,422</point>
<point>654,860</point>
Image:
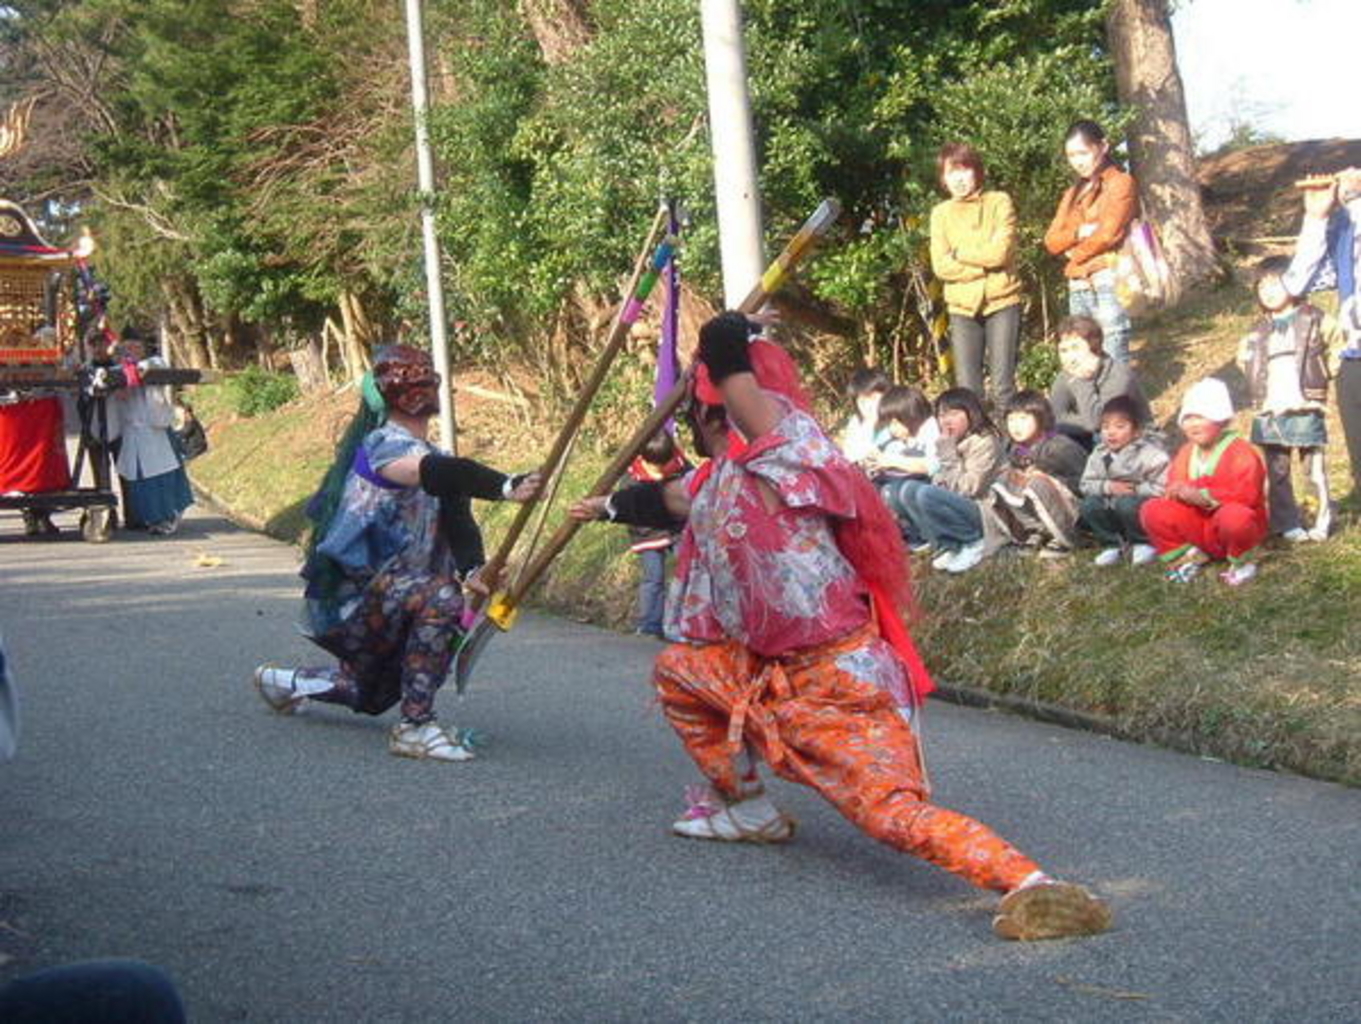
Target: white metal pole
<point>738,196</point>
<point>425,178</point>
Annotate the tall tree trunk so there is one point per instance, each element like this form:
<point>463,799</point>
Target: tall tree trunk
<point>264,348</point>
<point>560,27</point>
<point>186,313</point>
<point>171,348</point>
<point>356,337</point>
<point>1139,33</point>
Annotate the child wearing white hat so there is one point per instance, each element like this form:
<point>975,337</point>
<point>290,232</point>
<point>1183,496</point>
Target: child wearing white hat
<point>1214,507</point>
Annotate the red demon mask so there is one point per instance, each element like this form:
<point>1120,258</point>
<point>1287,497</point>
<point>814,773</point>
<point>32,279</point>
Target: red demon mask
<point>407,380</point>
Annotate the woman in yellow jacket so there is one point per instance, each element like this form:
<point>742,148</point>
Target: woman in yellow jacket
<point>973,251</point>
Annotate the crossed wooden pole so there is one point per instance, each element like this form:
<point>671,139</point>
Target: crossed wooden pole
<point>500,612</point>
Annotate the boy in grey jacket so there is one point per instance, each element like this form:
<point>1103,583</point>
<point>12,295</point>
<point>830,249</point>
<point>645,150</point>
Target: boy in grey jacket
<point>1124,471</point>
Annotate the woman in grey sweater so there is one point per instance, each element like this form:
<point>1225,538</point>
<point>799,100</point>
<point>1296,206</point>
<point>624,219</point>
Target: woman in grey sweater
<point>1088,380</point>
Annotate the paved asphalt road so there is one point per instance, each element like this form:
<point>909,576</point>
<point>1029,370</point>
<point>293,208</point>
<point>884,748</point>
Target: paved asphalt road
<point>291,870</point>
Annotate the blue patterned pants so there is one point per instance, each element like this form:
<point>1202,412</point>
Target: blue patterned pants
<point>397,645</point>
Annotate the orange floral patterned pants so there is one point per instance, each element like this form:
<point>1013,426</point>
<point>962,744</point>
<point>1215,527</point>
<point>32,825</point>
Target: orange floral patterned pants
<point>814,721</point>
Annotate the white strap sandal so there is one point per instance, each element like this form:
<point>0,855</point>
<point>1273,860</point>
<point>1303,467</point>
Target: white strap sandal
<point>754,820</point>
<point>426,742</point>
<point>277,688</point>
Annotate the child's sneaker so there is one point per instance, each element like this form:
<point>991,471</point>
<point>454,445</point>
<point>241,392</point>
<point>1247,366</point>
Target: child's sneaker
<point>1237,575</point>
<point>1295,535</point>
<point>967,557</point>
<point>1184,573</point>
<point>944,560</point>
<point>1107,557</point>
<point>1055,551</point>
<point>1187,567</point>
<point>1142,554</point>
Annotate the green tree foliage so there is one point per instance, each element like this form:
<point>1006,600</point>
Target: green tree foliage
<point>258,151</point>
<point>255,391</point>
<point>555,170</point>
<point>234,147</point>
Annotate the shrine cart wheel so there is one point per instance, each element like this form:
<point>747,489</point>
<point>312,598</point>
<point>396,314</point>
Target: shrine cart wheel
<point>96,524</point>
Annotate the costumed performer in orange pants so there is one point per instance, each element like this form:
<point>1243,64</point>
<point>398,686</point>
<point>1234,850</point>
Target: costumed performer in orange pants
<point>789,585</point>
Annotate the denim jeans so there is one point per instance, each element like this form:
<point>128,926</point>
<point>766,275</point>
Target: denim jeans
<point>946,520</point>
<point>995,337</point>
<point>1095,298</point>
<point>890,489</point>
<point>652,591</point>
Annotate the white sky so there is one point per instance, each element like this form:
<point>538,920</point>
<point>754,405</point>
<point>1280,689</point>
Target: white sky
<point>1289,67</point>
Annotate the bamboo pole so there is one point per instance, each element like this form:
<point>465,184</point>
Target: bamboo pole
<point>504,606</point>
<point>628,313</point>
<point>802,243</point>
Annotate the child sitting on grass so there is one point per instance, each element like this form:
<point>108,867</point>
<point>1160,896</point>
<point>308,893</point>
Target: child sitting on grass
<point>1286,359</point>
<point>1124,471</point>
<point>908,432</point>
<point>906,448</point>
<point>1033,501</point>
<point>1215,503</point>
<point>1088,379</point>
<point>866,389</point>
<point>946,512</point>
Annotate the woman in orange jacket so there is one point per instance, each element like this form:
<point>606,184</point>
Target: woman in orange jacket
<point>1088,230</point>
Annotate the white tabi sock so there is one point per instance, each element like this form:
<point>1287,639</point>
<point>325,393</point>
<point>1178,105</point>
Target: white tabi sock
<point>294,680</point>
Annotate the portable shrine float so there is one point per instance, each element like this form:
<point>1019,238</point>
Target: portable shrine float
<point>53,380</point>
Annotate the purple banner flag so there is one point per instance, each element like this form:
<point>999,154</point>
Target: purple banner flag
<point>668,358</point>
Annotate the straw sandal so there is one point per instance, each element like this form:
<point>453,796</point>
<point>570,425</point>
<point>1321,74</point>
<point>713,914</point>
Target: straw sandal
<point>754,820</point>
<point>1050,910</point>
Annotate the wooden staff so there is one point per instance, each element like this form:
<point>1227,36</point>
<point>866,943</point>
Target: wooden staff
<point>502,609</point>
<point>640,285</point>
<point>1316,181</point>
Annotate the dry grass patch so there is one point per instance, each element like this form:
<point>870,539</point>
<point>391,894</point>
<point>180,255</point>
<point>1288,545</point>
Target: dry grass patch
<point>1268,674</point>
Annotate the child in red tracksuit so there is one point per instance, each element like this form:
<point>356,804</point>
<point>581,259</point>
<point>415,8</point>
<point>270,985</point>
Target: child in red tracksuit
<point>1215,504</point>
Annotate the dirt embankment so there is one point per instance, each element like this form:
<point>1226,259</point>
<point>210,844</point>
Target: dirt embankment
<point>1250,195</point>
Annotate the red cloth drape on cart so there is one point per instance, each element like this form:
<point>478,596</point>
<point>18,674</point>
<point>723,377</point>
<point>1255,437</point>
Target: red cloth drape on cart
<point>33,447</point>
